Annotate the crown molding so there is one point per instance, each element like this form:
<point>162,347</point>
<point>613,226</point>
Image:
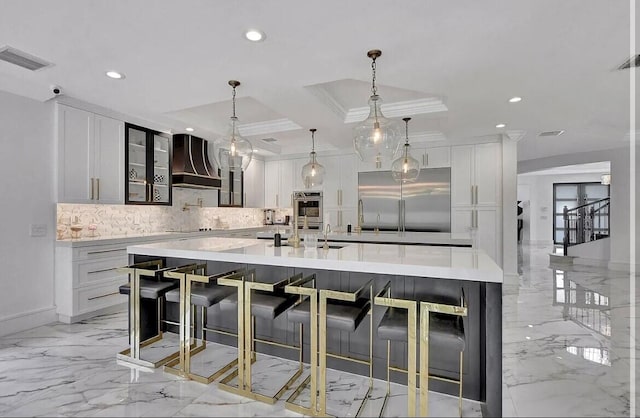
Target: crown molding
<point>427,136</point>
<point>328,100</point>
<point>397,109</point>
<point>268,127</point>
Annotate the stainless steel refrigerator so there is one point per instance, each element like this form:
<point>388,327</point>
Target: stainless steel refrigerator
<point>424,205</point>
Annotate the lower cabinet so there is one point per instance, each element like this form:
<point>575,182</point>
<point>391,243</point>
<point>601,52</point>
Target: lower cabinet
<point>87,280</point>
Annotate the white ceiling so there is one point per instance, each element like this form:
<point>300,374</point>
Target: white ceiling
<point>471,56</point>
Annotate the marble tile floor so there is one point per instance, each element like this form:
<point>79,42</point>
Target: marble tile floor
<point>566,339</point>
<point>71,370</point>
<point>566,343</point>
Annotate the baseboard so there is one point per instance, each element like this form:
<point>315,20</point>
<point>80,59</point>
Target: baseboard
<point>104,311</point>
<point>27,320</point>
<point>619,266</point>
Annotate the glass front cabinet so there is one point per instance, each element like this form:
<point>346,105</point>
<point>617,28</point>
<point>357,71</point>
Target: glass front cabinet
<point>148,164</point>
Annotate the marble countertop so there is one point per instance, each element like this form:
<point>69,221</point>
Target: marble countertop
<point>409,260</point>
<point>383,237</point>
<point>149,236</point>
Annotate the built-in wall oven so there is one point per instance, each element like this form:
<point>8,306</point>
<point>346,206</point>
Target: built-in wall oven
<point>310,205</point>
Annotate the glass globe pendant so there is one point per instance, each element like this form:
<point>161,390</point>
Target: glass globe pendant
<point>312,172</point>
<point>376,138</point>
<point>234,151</point>
<point>405,169</point>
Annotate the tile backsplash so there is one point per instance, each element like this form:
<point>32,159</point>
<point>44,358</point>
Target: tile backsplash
<point>137,219</point>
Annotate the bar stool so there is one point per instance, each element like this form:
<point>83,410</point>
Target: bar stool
<point>444,329</point>
<point>196,290</point>
<point>262,300</point>
<point>138,288</point>
<point>342,311</point>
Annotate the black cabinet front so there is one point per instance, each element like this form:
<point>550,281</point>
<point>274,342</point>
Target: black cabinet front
<point>148,164</point>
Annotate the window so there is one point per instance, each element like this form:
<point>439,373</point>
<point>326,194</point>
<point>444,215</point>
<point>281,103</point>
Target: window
<point>573,195</point>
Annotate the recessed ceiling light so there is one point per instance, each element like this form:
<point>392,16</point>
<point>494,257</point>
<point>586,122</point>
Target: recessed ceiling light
<point>515,99</point>
<point>115,75</point>
<point>500,125</point>
<point>189,129</point>
<point>255,35</point>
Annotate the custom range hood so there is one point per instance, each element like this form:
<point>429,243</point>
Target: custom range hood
<point>191,165</point>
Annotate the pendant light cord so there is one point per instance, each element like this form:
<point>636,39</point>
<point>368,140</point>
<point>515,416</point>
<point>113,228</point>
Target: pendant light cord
<point>234,101</point>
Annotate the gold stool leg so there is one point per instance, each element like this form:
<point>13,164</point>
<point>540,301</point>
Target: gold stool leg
<point>424,362</point>
<point>460,384</point>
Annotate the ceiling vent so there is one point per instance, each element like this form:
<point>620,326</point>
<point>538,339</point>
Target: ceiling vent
<point>22,59</point>
<point>269,140</point>
<point>634,61</point>
<point>551,133</point>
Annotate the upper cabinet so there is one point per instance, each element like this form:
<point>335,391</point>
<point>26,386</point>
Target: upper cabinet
<point>278,183</point>
<point>433,157</point>
<point>254,183</point>
<point>475,175</point>
<point>148,166</point>
<point>90,157</point>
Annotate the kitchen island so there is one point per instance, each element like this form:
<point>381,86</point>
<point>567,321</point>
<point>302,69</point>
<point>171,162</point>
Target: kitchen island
<point>411,270</point>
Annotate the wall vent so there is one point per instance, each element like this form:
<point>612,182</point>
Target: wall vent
<point>634,61</point>
<point>269,139</point>
<point>22,59</point>
<point>551,133</point>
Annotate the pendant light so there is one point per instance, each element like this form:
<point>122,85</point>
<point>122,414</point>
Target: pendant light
<point>376,138</point>
<point>312,172</point>
<point>405,169</point>
<point>234,151</point>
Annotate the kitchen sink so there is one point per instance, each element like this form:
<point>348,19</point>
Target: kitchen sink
<point>320,246</point>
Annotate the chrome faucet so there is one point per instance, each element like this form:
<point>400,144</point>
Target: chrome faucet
<point>327,229</point>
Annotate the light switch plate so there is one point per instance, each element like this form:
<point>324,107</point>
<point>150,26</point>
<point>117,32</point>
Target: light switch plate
<point>38,230</point>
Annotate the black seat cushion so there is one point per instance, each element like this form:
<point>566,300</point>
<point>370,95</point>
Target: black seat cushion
<point>202,295</point>
<point>445,331</point>
<point>345,316</point>
<point>263,304</point>
<point>150,289</point>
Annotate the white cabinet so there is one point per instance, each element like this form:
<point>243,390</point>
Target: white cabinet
<point>278,183</point>
<point>87,280</point>
<point>254,181</point>
<point>434,157</point>
<point>90,157</point>
<point>476,184</point>
<point>340,189</point>
<point>476,174</point>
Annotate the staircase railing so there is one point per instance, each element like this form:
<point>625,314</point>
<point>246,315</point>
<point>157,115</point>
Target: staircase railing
<point>584,223</point>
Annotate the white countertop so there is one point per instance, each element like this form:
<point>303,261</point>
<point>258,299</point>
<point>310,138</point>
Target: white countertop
<point>408,260</point>
<point>392,237</point>
<point>149,236</point>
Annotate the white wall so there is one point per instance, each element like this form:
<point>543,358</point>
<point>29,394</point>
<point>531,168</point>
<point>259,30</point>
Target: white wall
<point>538,214</point>
<point>621,212</point>
<point>27,190</point>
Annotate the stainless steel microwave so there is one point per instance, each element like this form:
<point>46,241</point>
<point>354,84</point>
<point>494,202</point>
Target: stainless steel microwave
<point>309,205</point>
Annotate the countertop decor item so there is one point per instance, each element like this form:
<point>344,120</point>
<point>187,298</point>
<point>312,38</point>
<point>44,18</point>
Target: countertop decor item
<point>312,172</point>
<point>234,151</point>
<point>376,138</point>
<point>133,174</point>
<point>405,169</point>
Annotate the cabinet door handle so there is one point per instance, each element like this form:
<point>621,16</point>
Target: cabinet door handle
<point>277,205</point>
<point>339,218</point>
<point>339,197</point>
<point>92,189</point>
<point>423,160</point>
<point>427,155</point>
<point>476,189</point>
<point>472,194</point>
<point>471,213</point>
<point>98,189</point>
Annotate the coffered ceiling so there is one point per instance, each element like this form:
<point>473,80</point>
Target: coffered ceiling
<point>451,66</point>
